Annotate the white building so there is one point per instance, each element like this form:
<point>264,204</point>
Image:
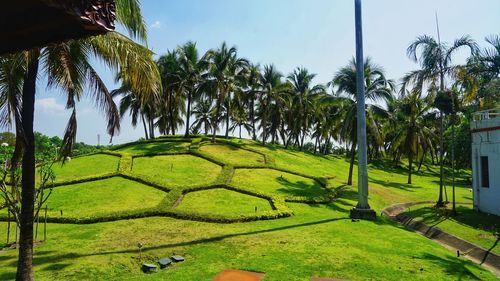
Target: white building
<point>485,130</point>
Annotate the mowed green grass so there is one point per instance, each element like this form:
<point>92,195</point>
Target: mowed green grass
<point>223,202</point>
<point>155,147</point>
<point>177,170</point>
<point>86,166</point>
<point>102,198</point>
<point>279,183</point>
<point>479,228</point>
<point>232,155</point>
<point>318,241</point>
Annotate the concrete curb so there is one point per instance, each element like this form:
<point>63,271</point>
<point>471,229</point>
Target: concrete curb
<point>485,258</point>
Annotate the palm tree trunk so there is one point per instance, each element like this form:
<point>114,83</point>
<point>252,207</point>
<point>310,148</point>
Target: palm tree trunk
<point>144,124</point>
<point>351,166</point>
<point>410,160</point>
<point>216,117</point>
<point>440,202</point>
<point>228,112</point>
<point>151,128</point>
<point>188,114</point>
<point>252,118</point>
<point>240,131</point>
<point>25,262</point>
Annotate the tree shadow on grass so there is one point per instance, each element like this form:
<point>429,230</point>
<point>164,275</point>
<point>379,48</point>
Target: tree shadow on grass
<point>402,186</point>
<point>300,188</point>
<point>156,147</point>
<point>454,266</point>
<point>45,258</point>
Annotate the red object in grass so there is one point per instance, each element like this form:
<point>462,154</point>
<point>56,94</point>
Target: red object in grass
<point>238,275</point>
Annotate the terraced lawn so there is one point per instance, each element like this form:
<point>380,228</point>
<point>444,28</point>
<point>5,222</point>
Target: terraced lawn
<point>223,202</point>
<point>176,170</point>
<point>155,147</point>
<point>86,166</point>
<point>279,183</point>
<point>232,155</point>
<point>102,198</point>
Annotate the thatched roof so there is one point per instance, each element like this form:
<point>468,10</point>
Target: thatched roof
<point>25,24</point>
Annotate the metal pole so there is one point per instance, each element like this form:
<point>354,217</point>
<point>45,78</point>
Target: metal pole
<point>361,115</point>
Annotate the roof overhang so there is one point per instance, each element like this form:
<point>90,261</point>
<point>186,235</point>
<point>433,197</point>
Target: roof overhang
<point>25,24</point>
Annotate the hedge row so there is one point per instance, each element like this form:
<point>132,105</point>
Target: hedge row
<point>195,144</point>
<point>166,153</point>
<point>144,180</point>
<point>207,157</point>
<point>83,180</point>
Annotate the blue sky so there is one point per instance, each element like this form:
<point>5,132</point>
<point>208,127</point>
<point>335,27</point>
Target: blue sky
<point>316,34</point>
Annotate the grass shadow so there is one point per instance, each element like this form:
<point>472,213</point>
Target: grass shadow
<point>454,266</point>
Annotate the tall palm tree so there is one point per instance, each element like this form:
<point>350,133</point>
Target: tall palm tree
<point>435,59</point>
<point>225,75</point>
<point>377,88</point>
<point>191,68</point>
<point>253,79</point>
<point>67,66</point>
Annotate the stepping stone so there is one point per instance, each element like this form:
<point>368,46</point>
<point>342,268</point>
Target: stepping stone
<point>177,258</point>
<point>164,262</point>
<point>147,267</point>
<point>238,275</point>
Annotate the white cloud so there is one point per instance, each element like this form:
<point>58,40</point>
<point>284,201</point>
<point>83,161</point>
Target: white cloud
<point>156,25</point>
<point>49,105</point>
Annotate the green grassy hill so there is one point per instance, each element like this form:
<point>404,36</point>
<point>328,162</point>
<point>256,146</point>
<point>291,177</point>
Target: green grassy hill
<point>234,204</point>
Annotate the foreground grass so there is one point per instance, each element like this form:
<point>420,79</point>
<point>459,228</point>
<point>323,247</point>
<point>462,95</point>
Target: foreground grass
<point>318,241</point>
<point>223,202</point>
<point>479,228</point>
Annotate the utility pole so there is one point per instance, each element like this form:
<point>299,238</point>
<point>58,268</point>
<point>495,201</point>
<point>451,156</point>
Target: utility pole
<point>362,209</point>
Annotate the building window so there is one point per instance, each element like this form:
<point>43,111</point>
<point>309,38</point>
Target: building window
<point>485,173</point>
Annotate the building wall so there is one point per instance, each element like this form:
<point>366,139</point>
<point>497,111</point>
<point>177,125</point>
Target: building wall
<point>486,143</point>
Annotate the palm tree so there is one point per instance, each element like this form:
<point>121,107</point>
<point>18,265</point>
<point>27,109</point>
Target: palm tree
<point>67,66</point>
<point>171,106</point>
<point>377,88</point>
<point>130,102</point>
<point>225,75</point>
<point>203,113</point>
<point>304,93</point>
<point>411,136</point>
<point>435,59</point>
<point>271,87</point>
<point>191,68</point>
<point>253,79</point>
<point>239,118</point>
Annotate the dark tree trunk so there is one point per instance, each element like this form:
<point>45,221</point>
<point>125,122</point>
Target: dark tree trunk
<point>188,114</point>
<point>440,201</point>
<point>25,262</point>
<point>215,125</point>
<point>228,112</point>
<point>351,166</point>
<point>252,118</point>
<point>151,128</point>
<point>145,127</point>
<point>410,162</point>
<point>240,131</point>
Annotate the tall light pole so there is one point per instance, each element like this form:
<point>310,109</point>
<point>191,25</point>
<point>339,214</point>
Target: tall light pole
<point>362,209</point>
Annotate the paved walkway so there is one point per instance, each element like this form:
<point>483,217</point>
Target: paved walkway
<point>489,260</point>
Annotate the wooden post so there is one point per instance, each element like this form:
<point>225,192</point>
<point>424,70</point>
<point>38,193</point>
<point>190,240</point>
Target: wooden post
<point>45,225</point>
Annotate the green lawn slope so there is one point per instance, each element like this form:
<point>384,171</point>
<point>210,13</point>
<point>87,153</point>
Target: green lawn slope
<point>234,204</point>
